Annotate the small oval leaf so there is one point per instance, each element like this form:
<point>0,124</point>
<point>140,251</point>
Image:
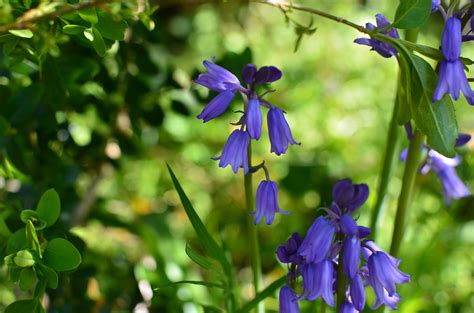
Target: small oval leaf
<point>27,279</point>
<point>73,29</point>
<point>61,255</point>
<point>49,207</point>
<point>22,33</point>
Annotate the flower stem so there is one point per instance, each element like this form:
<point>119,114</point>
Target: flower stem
<point>285,6</point>
<point>391,150</point>
<point>408,184</point>
<point>252,232</point>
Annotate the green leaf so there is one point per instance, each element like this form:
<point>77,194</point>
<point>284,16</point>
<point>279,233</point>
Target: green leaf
<point>412,13</point>
<point>263,294</point>
<point>4,230</point>
<point>50,275</point>
<point>210,245</point>
<point>73,29</point>
<point>436,120</point>
<point>32,237</point>
<point>22,33</point>
<point>89,15</point>
<point>197,258</point>
<point>98,43</point>
<point>27,279</point>
<point>192,282</point>
<point>404,113</point>
<point>25,306</point>
<point>111,28</point>
<point>49,207</point>
<point>33,216</point>
<point>61,255</point>
<point>17,241</point>
<point>89,34</point>
<point>10,45</point>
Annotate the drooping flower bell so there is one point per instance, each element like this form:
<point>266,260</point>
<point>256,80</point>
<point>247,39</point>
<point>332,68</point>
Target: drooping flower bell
<point>434,5</point>
<point>288,300</point>
<point>317,242</point>
<point>383,276</point>
<point>384,49</point>
<point>267,202</point>
<point>253,118</point>
<point>235,151</point>
<point>279,131</point>
<point>221,80</point>
<point>318,256</point>
<point>451,77</point>
<point>444,167</point>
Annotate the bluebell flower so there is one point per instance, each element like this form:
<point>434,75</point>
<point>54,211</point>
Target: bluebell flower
<point>235,151</point>
<point>221,80</point>
<point>348,225</point>
<point>347,307</point>
<point>217,106</point>
<point>434,5</point>
<point>349,196</point>
<point>315,258</point>
<point>253,118</point>
<point>384,274</point>
<point>453,186</point>
<point>288,253</point>
<point>264,75</point>
<point>351,255</point>
<point>267,202</point>
<point>357,292</point>
<point>317,242</point>
<point>318,279</point>
<point>384,49</point>
<point>279,131</point>
<point>451,77</point>
<point>288,300</point>
<point>217,78</point>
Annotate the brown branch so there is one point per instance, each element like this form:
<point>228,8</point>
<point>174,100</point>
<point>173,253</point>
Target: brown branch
<point>32,17</point>
<point>287,6</point>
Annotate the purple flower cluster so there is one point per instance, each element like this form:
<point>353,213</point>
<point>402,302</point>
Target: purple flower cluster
<point>235,151</point>
<point>451,77</point>
<point>453,187</point>
<point>384,49</point>
<point>316,258</point>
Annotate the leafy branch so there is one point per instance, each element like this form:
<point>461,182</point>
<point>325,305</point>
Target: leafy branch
<point>35,16</point>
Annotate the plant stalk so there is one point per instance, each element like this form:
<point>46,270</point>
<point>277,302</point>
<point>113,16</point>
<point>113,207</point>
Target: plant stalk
<point>408,184</point>
<point>252,233</point>
<point>391,149</point>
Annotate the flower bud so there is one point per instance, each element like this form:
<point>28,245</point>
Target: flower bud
<point>24,258</point>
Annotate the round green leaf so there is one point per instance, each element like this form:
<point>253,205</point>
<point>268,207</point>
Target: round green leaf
<point>61,255</point>
<point>27,279</point>
<point>50,275</point>
<point>89,15</point>
<point>17,241</point>
<point>25,306</point>
<point>98,43</point>
<point>73,29</point>
<point>49,207</point>
<point>22,33</point>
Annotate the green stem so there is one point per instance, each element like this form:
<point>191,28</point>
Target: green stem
<point>252,232</point>
<point>341,282</point>
<point>408,184</point>
<point>285,6</point>
<point>390,158</point>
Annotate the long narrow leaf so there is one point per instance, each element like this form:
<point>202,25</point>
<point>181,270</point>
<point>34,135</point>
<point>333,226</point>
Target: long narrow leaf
<point>263,294</point>
<point>210,245</point>
<point>192,282</point>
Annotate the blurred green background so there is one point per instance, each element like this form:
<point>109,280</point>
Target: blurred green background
<point>102,135</point>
